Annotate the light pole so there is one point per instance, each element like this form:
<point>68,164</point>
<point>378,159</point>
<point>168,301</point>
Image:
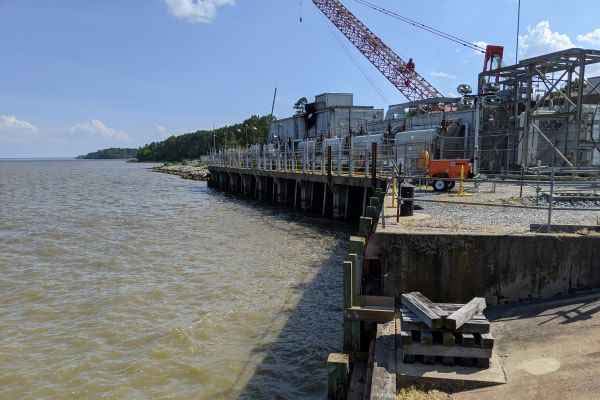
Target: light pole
<point>518,32</point>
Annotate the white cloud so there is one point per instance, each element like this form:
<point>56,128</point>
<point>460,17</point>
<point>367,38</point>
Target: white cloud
<point>592,37</point>
<point>14,130</point>
<point>98,128</point>
<point>443,75</point>
<point>11,122</point>
<point>541,39</point>
<point>195,11</point>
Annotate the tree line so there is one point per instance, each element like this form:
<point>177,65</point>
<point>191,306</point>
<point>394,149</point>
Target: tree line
<point>193,145</point>
<point>110,154</point>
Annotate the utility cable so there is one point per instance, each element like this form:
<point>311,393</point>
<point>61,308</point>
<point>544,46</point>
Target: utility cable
<point>357,65</point>
<point>417,24</point>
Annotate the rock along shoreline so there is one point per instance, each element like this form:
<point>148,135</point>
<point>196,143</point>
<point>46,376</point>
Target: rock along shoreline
<point>186,171</point>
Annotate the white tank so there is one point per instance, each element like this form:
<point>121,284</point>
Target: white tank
<point>417,136</point>
<point>365,141</point>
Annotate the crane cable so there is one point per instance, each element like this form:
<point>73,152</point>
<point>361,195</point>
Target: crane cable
<point>348,53</point>
<point>420,25</point>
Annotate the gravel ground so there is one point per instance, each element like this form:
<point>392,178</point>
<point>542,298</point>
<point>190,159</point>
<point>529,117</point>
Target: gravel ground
<point>484,219</point>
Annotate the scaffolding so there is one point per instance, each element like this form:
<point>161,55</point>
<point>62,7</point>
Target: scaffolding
<point>541,111</point>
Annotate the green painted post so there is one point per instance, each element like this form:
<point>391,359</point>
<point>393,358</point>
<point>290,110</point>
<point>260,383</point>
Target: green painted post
<point>373,213</point>
<point>355,277</point>
<point>347,284</point>
<point>338,373</point>
<point>374,202</point>
<point>365,226</point>
<point>356,336</point>
<point>357,245</point>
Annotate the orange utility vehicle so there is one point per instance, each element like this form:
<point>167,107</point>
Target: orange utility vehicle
<point>448,170</point>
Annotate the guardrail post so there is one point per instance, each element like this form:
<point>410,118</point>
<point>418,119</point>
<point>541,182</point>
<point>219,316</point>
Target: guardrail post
<point>350,161</point>
<point>551,198</point>
<point>374,164</point>
<point>329,165</point>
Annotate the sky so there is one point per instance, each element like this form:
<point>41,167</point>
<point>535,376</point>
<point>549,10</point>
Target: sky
<point>80,75</point>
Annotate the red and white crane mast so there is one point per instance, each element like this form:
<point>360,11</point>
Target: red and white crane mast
<point>400,73</point>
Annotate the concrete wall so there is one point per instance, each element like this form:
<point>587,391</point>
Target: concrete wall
<point>455,268</point>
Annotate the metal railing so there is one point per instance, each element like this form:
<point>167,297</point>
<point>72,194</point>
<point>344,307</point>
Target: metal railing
<point>547,200</point>
<point>363,160</point>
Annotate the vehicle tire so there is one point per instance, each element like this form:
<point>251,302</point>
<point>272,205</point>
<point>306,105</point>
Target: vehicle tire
<point>451,185</point>
<point>439,186</point>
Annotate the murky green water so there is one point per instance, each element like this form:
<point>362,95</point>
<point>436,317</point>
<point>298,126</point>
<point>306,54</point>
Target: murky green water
<point>120,283</point>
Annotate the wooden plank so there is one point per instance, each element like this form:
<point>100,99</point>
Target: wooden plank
<point>468,340</point>
<point>409,315</point>
<point>376,314</point>
<point>487,341</point>
<point>446,351</point>
<point>424,309</point>
<point>376,301</point>
<point>383,382</point>
<point>448,360</point>
<point>426,338</point>
<point>405,338</point>
<point>459,317</point>
<point>449,339</point>
<point>411,323</point>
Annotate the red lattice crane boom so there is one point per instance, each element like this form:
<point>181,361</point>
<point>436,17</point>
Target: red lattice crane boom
<point>399,72</point>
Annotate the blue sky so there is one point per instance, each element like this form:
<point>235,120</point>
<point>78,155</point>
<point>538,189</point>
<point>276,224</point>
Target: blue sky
<point>79,75</point>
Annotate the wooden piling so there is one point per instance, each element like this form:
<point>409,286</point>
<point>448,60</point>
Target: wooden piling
<point>338,373</point>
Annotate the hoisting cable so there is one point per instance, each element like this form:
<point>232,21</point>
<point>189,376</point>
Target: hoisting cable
<point>420,25</point>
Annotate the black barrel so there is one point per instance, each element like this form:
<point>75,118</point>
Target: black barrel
<point>407,207</point>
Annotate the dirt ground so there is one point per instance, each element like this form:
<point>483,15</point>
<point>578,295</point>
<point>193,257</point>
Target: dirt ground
<point>550,350</point>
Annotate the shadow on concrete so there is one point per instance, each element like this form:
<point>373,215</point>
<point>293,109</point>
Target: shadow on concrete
<point>566,309</point>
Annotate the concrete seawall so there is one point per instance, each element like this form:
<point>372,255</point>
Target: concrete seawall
<point>503,268</point>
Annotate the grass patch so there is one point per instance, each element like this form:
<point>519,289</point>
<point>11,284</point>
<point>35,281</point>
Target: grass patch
<point>413,393</point>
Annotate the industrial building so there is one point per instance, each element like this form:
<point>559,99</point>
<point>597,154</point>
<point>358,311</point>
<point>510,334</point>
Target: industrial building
<point>330,115</point>
<point>543,110</point>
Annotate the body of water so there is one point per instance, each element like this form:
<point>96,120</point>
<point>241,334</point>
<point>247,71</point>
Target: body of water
<point>120,283</point>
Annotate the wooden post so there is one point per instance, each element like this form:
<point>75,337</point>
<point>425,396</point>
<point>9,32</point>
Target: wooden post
<point>364,226</point>
<point>355,278</point>
<point>338,373</point>
<point>356,333</point>
<point>346,201</point>
<point>364,202</point>
<point>374,202</point>
<point>347,284</point>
